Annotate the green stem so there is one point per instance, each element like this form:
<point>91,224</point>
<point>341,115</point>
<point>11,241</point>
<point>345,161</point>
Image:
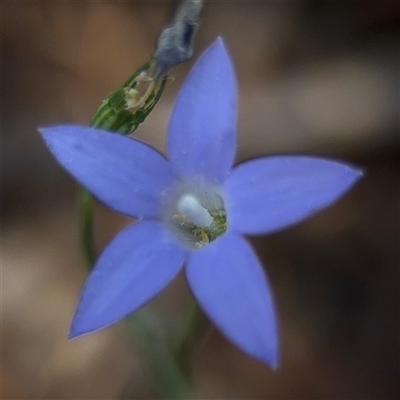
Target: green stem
<point>167,376</point>
<point>86,226</point>
<point>169,366</point>
<point>191,327</point>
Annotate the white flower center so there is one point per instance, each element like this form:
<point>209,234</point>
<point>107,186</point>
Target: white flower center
<point>195,213</point>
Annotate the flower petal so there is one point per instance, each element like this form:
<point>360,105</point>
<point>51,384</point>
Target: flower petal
<point>125,174</point>
<point>271,193</point>
<point>134,267</point>
<point>201,134</point>
<point>231,287</point>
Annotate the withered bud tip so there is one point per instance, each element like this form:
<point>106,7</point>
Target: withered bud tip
<point>175,43</point>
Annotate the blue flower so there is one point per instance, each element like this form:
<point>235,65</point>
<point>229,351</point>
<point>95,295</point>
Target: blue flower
<point>193,210</point>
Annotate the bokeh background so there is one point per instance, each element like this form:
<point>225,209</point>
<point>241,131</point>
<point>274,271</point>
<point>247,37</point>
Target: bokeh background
<point>315,77</point>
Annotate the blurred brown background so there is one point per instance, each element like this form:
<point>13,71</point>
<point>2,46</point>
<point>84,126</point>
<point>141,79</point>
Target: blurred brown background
<point>315,77</point>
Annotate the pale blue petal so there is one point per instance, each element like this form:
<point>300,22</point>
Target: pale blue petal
<point>201,134</point>
<point>271,193</point>
<point>231,287</point>
<point>123,173</point>
<point>134,267</point>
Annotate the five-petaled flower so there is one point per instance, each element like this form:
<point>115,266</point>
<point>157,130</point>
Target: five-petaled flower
<point>193,209</point>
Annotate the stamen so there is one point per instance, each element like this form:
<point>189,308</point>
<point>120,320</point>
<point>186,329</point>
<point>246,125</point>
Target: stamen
<point>189,206</point>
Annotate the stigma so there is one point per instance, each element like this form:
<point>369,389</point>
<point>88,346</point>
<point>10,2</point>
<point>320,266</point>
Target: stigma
<point>190,207</point>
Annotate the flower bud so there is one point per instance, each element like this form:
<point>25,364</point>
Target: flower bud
<point>123,110</point>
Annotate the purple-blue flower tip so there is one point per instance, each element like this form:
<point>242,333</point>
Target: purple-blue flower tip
<point>194,209</point>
